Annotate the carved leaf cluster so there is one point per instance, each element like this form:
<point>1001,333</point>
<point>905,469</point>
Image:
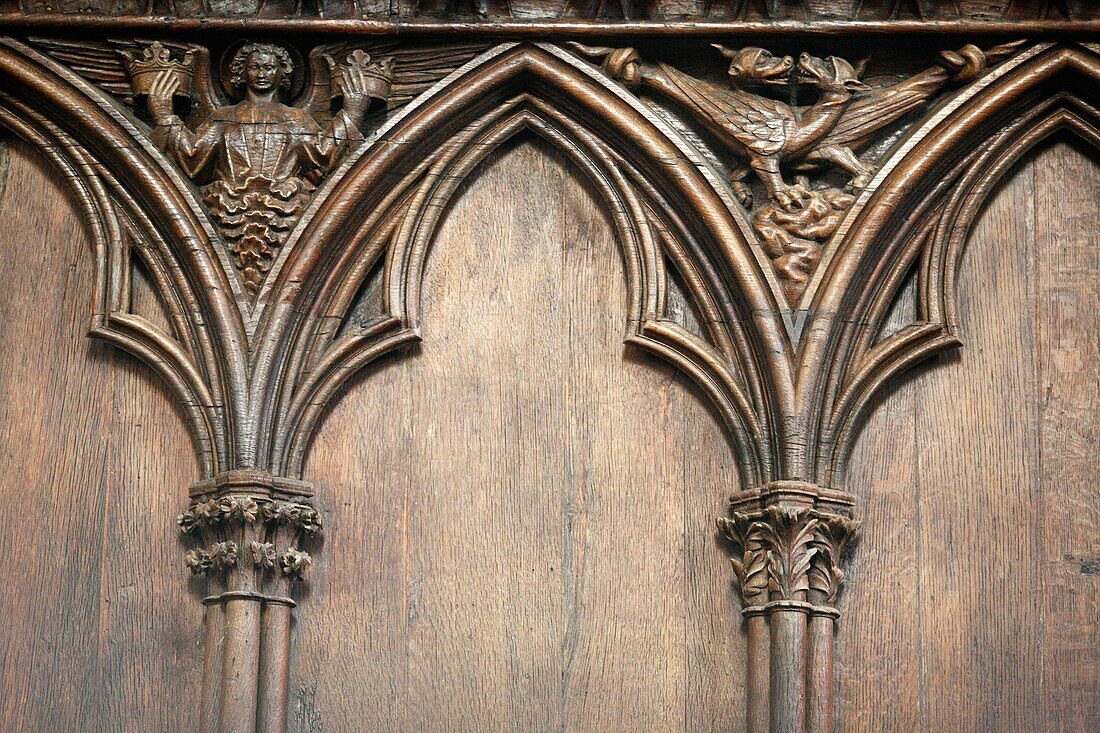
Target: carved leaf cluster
<point>833,534</point>
<point>750,568</point>
<point>789,535</point>
<point>247,509</point>
<point>786,551</point>
<point>221,555</point>
<point>214,511</point>
<point>263,554</point>
<point>303,516</point>
<point>240,510</point>
<point>293,563</point>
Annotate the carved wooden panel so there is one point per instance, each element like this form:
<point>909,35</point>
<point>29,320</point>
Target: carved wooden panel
<point>558,291</point>
<point>946,443</point>
<point>525,512</point>
<point>93,455</point>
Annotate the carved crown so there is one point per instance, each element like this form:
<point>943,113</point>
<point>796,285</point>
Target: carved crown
<point>378,74</point>
<point>156,58</point>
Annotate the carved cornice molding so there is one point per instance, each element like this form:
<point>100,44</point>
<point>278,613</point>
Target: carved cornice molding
<point>497,10</point>
<point>375,140</point>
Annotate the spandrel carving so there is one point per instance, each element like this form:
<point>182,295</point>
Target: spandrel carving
<point>258,155</point>
<point>807,160</point>
<point>258,160</point>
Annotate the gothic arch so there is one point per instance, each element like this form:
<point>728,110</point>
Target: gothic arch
<point>660,198</point>
<point>923,206</point>
<point>135,204</point>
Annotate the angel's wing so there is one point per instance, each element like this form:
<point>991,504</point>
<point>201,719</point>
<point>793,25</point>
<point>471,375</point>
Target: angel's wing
<point>760,124</point>
<point>102,63</point>
<point>415,70</point>
<point>204,94</point>
<point>97,61</point>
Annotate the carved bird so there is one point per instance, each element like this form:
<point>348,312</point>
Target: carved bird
<point>846,118</point>
<point>766,131</point>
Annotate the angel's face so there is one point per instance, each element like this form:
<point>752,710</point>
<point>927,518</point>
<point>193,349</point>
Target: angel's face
<point>263,71</point>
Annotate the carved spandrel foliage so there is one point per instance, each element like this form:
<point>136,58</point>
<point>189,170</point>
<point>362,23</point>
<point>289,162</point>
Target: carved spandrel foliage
<point>825,145</point>
<point>785,551</point>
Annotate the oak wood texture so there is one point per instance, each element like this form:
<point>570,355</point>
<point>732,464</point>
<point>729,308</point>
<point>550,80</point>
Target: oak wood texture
<point>978,486</point>
<point>501,603</point>
<point>533,541</point>
<point>92,455</point>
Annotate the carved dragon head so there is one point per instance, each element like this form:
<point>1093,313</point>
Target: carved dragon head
<point>755,64</point>
<point>832,74</point>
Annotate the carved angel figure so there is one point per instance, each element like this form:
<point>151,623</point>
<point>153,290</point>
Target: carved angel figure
<point>259,160</point>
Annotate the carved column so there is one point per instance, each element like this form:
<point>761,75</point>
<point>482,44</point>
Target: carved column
<point>791,536</point>
<point>249,524</point>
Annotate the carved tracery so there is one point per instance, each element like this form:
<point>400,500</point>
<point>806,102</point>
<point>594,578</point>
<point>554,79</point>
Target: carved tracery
<point>260,216</point>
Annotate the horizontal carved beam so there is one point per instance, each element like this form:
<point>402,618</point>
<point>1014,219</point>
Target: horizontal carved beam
<point>551,29</point>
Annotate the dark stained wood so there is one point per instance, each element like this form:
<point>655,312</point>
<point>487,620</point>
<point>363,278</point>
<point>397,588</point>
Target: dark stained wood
<point>482,11</point>
<point>1083,28</point>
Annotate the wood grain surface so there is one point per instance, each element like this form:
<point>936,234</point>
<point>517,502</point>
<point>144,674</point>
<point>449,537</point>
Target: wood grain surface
<point>99,631</point>
<point>974,596</point>
<point>521,513</point>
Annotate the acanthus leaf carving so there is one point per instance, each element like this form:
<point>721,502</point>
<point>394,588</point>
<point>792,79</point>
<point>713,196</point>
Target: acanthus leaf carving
<point>750,568</point>
<point>832,535</point>
<point>790,534</point>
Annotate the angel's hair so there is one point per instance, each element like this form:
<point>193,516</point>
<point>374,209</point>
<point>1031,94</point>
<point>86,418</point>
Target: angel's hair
<point>238,66</point>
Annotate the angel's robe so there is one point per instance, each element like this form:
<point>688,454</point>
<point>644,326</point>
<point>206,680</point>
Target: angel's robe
<point>258,163</point>
<point>268,139</point>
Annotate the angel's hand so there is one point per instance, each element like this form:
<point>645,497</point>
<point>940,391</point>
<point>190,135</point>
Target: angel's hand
<point>356,98</point>
<point>160,97</point>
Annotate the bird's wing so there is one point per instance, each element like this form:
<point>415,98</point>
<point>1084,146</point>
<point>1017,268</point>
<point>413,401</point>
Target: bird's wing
<point>869,114</point>
<point>760,124</point>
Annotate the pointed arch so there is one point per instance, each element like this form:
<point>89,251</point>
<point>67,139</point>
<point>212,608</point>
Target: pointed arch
<point>134,203</point>
<point>387,202</point>
<point>923,208</point>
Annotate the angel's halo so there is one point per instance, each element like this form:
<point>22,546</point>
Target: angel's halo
<point>235,93</point>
